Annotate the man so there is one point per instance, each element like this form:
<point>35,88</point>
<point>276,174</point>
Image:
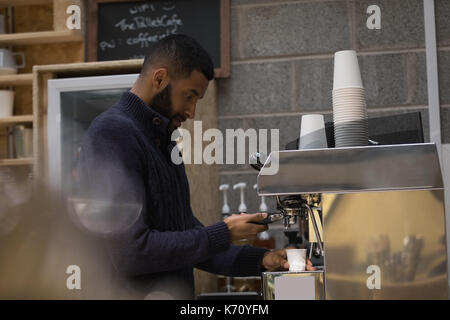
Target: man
<point>126,158</point>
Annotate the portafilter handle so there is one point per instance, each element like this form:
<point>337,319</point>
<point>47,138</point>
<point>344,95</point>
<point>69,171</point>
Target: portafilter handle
<point>271,217</point>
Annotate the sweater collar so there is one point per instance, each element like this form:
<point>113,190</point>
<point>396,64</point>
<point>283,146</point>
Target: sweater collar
<point>145,114</point>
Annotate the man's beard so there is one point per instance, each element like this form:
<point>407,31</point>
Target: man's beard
<point>162,102</point>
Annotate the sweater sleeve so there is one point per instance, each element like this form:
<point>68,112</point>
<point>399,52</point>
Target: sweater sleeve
<point>237,261</point>
<point>111,169</point>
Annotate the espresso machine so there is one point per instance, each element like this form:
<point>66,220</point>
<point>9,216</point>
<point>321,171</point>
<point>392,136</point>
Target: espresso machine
<point>375,214</point>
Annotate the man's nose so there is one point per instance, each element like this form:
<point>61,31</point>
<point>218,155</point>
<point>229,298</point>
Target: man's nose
<point>190,113</point>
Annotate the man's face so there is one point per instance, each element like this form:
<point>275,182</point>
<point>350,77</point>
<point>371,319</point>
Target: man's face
<point>177,101</point>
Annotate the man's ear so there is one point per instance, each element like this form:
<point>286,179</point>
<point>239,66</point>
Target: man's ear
<point>160,79</point>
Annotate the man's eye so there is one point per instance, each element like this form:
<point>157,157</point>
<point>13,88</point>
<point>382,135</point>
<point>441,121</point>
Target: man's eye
<point>189,97</point>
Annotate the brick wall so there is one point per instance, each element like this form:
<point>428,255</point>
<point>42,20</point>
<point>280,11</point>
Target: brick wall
<point>282,67</point>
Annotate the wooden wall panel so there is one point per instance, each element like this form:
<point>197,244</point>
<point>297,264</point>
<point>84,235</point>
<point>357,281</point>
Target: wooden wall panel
<point>42,18</point>
<point>3,150</point>
<point>204,181</point>
<point>33,18</point>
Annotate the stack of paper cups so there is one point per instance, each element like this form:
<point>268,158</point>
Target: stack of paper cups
<point>349,103</point>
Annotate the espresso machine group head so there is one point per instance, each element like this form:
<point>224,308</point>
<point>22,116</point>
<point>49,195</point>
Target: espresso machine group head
<point>295,209</point>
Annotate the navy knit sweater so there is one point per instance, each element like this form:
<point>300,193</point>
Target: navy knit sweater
<point>125,157</point>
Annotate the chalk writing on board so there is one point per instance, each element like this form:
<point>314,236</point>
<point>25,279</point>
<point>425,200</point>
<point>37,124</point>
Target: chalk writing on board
<point>166,6</point>
<point>142,8</point>
<point>162,25</point>
<point>145,39</point>
<point>104,45</point>
<point>163,21</point>
<point>169,6</point>
<point>125,30</point>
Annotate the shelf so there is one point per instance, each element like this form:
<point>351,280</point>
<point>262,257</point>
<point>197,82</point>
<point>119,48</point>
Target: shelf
<point>16,119</point>
<point>22,79</point>
<point>41,37</point>
<point>16,3</point>
<point>16,162</point>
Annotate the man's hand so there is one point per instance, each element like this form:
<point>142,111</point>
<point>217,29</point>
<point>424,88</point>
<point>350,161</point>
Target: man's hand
<point>241,228</point>
<point>277,261</point>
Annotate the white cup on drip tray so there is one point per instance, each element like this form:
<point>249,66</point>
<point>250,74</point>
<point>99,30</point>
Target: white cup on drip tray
<point>296,259</point>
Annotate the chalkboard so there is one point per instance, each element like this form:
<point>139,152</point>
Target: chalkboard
<point>124,29</point>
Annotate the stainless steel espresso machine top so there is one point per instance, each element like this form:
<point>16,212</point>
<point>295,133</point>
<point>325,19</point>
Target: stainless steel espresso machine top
<point>375,214</point>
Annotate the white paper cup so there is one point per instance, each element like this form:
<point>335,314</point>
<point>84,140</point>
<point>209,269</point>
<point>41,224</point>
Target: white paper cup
<point>340,93</point>
<point>6,103</point>
<point>346,70</point>
<point>344,108</point>
<point>348,119</point>
<point>348,95</point>
<point>349,89</point>
<point>339,96</point>
<point>296,259</point>
<point>356,136</point>
<point>350,133</point>
<point>345,100</point>
<point>349,110</point>
<point>312,132</point>
<point>349,107</point>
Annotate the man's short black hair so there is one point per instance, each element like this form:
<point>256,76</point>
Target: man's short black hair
<point>181,55</point>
